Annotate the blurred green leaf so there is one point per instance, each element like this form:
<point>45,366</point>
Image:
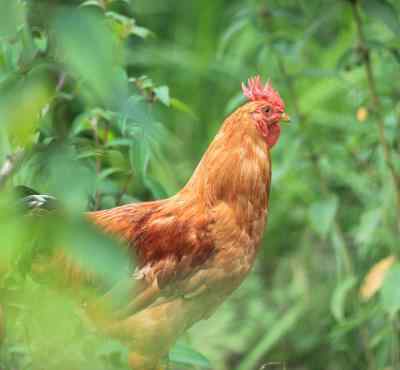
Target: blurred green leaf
<point>385,11</point>
<point>111,347</point>
<point>91,52</point>
<point>156,188</point>
<point>390,291</point>
<point>183,354</point>
<point>322,215</point>
<point>338,303</point>
<point>96,253</point>
<point>108,172</point>
<point>349,59</point>
<point>99,3</point>
<point>31,96</point>
<point>181,106</point>
<point>139,155</point>
<point>230,32</point>
<point>368,225</point>
<point>140,31</point>
<point>162,93</point>
<point>125,26</point>
<point>11,17</point>
<point>136,115</point>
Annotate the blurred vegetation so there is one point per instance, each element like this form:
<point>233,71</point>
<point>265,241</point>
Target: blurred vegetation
<point>104,102</point>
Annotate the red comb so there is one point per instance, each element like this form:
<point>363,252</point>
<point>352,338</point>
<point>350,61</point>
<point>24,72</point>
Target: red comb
<point>256,91</point>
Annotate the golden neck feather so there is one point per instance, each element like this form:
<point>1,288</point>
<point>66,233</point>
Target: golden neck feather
<point>236,167</point>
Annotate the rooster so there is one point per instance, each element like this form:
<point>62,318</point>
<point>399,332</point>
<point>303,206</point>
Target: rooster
<point>195,248</point>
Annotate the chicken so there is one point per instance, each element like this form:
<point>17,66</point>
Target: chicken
<point>194,249</point>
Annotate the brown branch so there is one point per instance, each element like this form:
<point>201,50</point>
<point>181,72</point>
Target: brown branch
<point>9,166</point>
<point>377,106</point>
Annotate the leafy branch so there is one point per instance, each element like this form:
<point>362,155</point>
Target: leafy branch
<point>365,54</point>
<point>346,258</point>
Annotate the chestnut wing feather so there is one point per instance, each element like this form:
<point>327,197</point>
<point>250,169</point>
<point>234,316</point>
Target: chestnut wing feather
<point>170,239</point>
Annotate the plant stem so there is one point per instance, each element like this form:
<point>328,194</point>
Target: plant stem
<point>99,147</point>
<point>123,190</point>
<point>291,89</point>
<point>95,125</point>
<point>377,106</point>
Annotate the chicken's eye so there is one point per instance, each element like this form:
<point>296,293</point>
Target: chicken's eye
<point>266,109</point>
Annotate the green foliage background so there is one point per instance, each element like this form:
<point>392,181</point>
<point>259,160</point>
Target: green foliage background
<point>106,102</point>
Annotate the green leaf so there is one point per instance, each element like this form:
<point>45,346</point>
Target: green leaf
<point>31,96</point>
<point>322,215</point>
<point>162,93</point>
<point>11,17</point>
<point>139,156</point>
<point>41,42</point>
<point>91,53</point>
<point>95,252</point>
<point>390,291</point>
<point>181,106</point>
<point>111,346</point>
<point>97,3</point>
<point>183,354</point>
<point>230,33</point>
<point>385,11</point>
<point>395,53</point>
<point>338,302</point>
<point>156,188</point>
<point>234,102</point>
<point>140,31</point>
<point>137,116</point>
<point>370,220</point>
<point>348,59</point>
<point>119,143</point>
<point>125,26</point>
<point>108,172</point>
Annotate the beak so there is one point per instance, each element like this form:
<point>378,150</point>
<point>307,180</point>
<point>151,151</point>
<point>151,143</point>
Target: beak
<point>285,118</point>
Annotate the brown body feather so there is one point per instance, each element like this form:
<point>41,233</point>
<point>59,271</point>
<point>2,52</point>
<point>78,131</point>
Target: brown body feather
<point>194,248</point>
<point>215,219</point>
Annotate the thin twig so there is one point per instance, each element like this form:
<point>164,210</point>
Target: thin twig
<point>9,165</point>
<point>99,147</point>
<point>61,81</point>
<point>377,106</point>
<point>123,190</point>
<point>291,89</point>
<point>94,123</point>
